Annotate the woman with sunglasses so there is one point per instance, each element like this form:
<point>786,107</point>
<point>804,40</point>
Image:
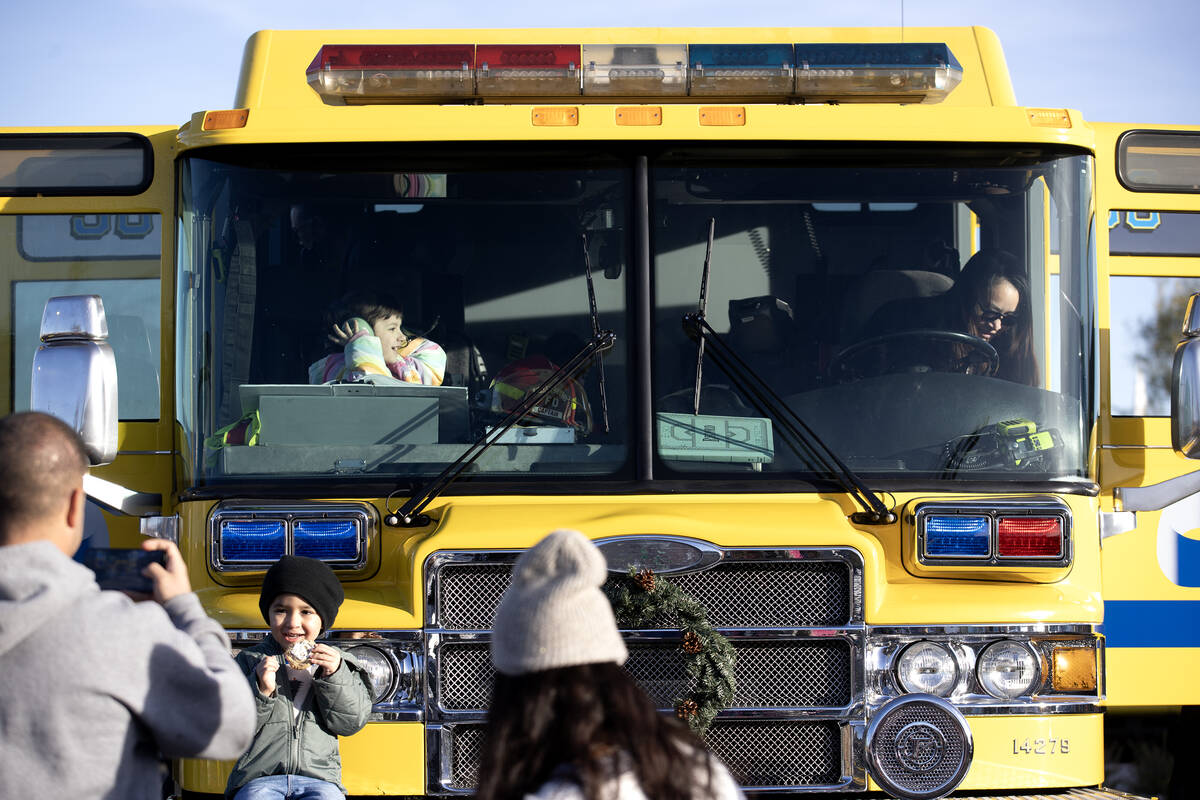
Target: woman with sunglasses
<point>989,301</point>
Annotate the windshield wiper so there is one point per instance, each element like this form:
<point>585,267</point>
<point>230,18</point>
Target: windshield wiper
<point>595,318</point>
<point>409,515</point>
<point>800,436</point>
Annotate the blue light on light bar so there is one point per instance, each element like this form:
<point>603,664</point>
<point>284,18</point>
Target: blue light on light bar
<point>328,540</point>
<point>253,540</point>
<point>741,69</point>
<point>957,536</point>
<point>912,72</point>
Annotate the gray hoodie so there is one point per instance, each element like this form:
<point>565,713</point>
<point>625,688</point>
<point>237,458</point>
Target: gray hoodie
<point>95,689</point>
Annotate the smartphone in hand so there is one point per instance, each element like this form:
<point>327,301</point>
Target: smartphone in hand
<point>121,569</point>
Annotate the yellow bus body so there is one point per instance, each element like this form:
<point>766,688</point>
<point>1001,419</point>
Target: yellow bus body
<point>1016,752</point>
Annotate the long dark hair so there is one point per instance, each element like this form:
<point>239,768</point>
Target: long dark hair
<point>580,723</point>
<point>1014,343</point>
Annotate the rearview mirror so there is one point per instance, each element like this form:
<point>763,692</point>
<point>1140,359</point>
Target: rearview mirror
<point>75,373</point>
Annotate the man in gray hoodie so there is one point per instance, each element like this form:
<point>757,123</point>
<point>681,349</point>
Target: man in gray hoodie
<point>97,690</point>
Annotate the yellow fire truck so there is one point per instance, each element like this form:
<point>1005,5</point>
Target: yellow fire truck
<point>705,295</point>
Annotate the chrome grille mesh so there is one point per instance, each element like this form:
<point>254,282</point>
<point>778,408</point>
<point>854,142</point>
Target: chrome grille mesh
<point>469,593</point>
<point>467,748</point>
<point>768,595</point>
<point>778,753</point>
<point>465,676</point>
<point>763,599</point>
<point>769,675</point>
<point>735,594</point>
<point>796,754</point>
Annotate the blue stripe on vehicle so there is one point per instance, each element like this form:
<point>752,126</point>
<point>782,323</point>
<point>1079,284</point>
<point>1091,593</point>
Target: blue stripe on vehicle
<point>1152,623</point>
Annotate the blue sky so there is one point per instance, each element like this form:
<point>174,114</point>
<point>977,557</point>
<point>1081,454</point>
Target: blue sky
<point>125,62</point>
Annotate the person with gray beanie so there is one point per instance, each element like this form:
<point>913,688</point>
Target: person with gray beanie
<point>566,721</point>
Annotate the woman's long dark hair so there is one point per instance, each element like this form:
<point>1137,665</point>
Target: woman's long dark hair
<point>579,723</point>
<point>1014,343</point>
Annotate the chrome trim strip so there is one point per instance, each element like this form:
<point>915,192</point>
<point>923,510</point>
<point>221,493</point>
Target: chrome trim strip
<point>117,499</point>
<point>145,452</point>
<point>1066,629</point>
<point>1135,446</point>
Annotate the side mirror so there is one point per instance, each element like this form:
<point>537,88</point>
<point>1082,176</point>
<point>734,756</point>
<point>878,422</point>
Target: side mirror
<point>1185,385</point>
<point>75,373</point>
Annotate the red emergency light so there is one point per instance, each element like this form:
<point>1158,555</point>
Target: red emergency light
<point>1029,537</point>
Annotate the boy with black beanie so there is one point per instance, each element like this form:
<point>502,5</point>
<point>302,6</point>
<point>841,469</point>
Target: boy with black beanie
<point>306,693</point>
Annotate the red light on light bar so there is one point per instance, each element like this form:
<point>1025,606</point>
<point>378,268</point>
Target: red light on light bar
<point>535,70</point>
<point>393,56</point>
<point>525,56</point>
<point>1030,537</point>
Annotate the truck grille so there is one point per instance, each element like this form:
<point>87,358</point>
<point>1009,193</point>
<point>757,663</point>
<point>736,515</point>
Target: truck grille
<point>794,618</point>
<point>782,754</point>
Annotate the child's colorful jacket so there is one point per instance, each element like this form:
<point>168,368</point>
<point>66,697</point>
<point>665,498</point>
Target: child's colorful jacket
<point>422,361</point>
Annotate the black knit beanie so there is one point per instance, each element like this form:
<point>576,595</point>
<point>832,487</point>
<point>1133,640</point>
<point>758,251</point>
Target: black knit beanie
<point>307,578</point>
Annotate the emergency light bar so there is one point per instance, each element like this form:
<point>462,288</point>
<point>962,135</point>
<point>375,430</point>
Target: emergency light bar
<point>999,535</point>
<point>393,73</point>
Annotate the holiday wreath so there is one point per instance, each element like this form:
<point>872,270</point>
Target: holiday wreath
<point>642,599</point>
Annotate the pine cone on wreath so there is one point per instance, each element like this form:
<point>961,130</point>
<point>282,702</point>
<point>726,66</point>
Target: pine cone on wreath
<point>692,643</point>
<point>645,579</point>
<point>687,709</point>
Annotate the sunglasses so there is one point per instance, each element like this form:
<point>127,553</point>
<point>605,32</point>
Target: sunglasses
<point>989,316</point>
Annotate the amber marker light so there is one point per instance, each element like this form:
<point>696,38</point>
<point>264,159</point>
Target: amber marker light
<point>1074,669</point>
<point>1049,117</point>
<point>723,115</point>
<point>639,115</point>
<point>223,120</point>
<point>556,116</point>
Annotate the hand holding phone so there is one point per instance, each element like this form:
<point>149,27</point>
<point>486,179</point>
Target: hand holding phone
<point>121,569</point>
<point>170,577</point>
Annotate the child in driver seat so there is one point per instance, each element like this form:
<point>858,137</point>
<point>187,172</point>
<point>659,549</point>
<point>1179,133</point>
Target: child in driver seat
<point>368,330</point>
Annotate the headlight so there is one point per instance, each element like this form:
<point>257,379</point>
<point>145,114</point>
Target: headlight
<point>927,667</point>
<point>379,669</point>
<point>1007,669</point>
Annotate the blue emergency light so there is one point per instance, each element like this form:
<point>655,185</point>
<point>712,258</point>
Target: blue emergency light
<point>253,540</point>
<point>326,539</point>
<point>955,536</point>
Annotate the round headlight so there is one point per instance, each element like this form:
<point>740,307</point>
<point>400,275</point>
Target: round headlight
<point>378,668</point>
<point>1007,669</point>
<point>927,667</point>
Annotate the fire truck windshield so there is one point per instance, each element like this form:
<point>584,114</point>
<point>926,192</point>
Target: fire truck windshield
<point>924,311</point>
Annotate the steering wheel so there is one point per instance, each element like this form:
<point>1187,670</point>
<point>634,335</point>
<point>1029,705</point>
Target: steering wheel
<point>925,350</point>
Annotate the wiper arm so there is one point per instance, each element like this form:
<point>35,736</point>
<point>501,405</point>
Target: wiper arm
<point>802,437</point>
<point>409,515</point>
<point>595,318</point>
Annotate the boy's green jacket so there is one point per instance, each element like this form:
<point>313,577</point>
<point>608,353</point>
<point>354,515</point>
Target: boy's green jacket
<point>286,744</point>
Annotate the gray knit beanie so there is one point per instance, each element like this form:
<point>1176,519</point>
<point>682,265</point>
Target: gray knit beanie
<point>553,614</point>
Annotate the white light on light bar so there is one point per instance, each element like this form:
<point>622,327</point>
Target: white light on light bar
<point>658,70</point>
